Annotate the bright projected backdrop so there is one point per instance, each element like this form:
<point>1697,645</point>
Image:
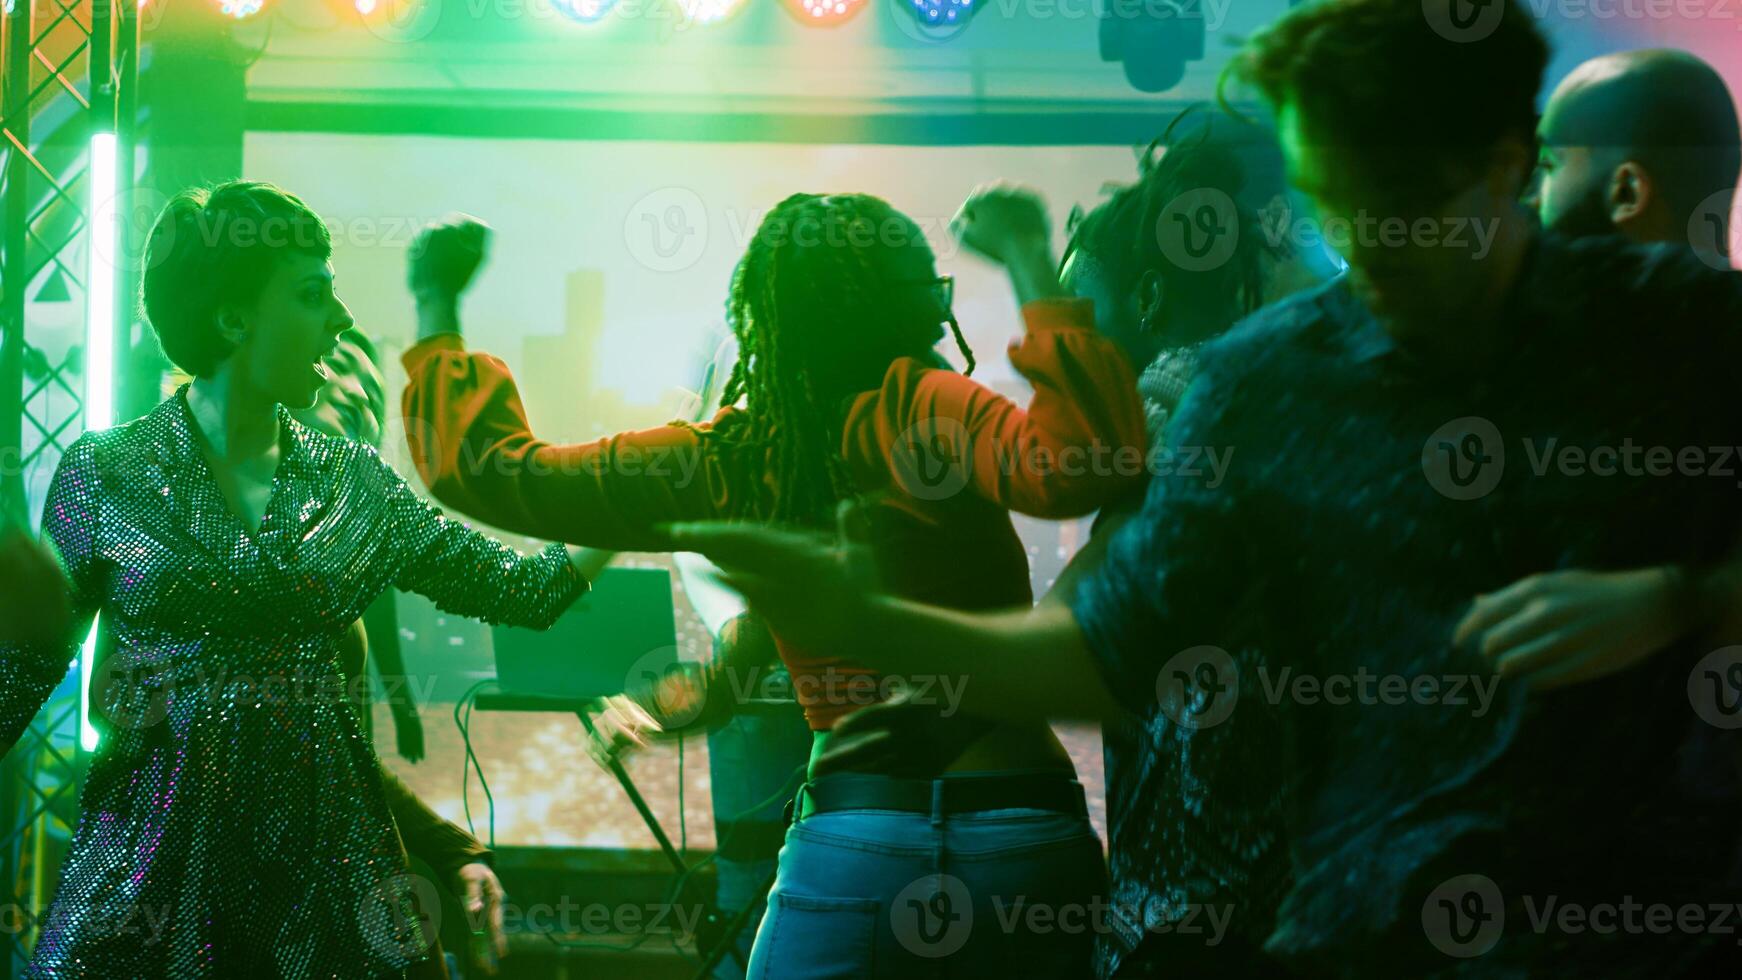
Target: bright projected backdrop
<point>608,277</point>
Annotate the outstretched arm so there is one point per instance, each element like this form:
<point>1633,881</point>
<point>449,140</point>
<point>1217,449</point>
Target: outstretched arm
<point>49,606</point>
<point>1570,627</point>
<point>474,448</point>
<point>468,573</point>
<point>1078,443</point>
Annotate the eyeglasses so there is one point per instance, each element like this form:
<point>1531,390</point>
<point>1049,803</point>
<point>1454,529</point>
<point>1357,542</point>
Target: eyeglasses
<point>943,287</point>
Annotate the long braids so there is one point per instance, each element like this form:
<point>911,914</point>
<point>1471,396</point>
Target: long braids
<point>807,316</point>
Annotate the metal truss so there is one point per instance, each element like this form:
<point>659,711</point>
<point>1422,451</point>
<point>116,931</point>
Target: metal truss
<point>69,71</point>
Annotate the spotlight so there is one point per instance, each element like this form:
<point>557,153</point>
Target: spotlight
<point>1156,43</point>
<point>240,9</point>
<point>825,13</point>
<point>584,11</point>
<point>941,15</point>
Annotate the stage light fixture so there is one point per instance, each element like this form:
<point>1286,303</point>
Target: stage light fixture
<point>240,9</point>
<point>824,13</point>
<point>584,11</point>
<point>1156,45</point>
<point>942,14</point>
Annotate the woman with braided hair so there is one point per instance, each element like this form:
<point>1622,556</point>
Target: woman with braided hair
<point>839,396</point>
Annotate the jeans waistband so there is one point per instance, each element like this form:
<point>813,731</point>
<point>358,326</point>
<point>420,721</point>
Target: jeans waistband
<point>955,793</point>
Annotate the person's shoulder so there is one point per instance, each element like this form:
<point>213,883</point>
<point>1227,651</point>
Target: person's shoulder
<point>1305,320</point>
<point>1668,272</point>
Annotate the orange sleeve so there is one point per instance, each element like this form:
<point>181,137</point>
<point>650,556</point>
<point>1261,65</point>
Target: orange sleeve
<point>475,450</point>
<point>1079,444</point>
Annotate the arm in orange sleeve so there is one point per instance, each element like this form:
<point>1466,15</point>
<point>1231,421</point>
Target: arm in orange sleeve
<point>475,450</point>
<point>1079,444</point>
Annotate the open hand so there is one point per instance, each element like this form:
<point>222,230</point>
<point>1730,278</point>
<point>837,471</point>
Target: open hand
<point>482,893</point>
<point>1569,627</point>
<point>812,589</point>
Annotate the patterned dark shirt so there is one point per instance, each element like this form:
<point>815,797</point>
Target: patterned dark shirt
<point>1368,497</point>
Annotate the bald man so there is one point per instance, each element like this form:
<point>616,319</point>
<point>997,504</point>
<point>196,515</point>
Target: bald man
<point>1644,144</point>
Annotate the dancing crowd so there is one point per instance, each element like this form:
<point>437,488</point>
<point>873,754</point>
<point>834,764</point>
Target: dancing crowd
<point>1408,615</point>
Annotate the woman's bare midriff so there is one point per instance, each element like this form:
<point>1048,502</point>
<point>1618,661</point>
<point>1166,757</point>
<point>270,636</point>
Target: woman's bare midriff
<point>1006,747</point>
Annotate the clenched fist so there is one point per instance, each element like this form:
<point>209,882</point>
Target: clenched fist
<point>1003,222</point>
<point>446,255</point>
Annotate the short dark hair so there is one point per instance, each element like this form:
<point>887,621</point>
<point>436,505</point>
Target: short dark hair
<point>211,248</point>
<point>1386,74</point>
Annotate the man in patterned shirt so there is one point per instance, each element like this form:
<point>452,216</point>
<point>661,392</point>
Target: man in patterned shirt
<point>1353,792</point>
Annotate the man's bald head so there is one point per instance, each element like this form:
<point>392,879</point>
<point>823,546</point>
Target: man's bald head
<point>1637,142</point>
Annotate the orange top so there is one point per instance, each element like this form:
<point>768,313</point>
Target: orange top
<point>954,456</point>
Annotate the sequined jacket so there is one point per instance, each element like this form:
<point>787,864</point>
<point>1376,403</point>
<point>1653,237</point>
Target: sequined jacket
<point>234,822</point>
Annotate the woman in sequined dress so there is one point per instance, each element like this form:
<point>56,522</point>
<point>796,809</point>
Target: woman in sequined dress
<point>234,820</point>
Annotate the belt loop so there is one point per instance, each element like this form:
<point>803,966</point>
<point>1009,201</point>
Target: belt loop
<point>937,803</point>
<point>795,806</point>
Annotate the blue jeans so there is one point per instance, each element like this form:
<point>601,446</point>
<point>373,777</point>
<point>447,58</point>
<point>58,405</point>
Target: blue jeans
<point>889,894</point>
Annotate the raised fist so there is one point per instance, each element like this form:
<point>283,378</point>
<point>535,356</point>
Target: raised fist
<point>1002,221</point>
<point>446,255</point>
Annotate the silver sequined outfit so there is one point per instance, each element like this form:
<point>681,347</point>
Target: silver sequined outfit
<point>233,822</point>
